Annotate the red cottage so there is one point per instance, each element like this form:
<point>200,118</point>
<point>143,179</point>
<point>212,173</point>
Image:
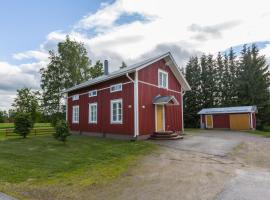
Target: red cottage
<point>133,102</point>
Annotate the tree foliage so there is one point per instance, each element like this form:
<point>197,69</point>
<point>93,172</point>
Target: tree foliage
<point>228,80</point>
<point>193,99</point>
<point>23,124</point>
<point>27,101</point>
<point>61,131</point>
<point>123,65</point>
<point>68,66</point>
<point>254,81</point>
<point>96,70</point>
<point>3,116</point>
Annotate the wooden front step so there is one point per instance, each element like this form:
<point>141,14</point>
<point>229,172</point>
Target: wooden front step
<point>166,135</point>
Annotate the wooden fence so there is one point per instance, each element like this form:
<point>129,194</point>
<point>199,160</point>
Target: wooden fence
<point>34,131</point>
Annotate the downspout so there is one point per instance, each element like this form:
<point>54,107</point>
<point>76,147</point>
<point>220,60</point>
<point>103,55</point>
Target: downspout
<point>136,111</point>
<point>182,105</point>
<point>67,108</point>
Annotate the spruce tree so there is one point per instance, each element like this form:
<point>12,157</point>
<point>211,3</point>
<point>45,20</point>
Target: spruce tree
<point>253,82</point>
<point>232,77</point>
<point>192,99</point>
<point>220,80</point>
<point>123,65</point>
<point>208,81</point>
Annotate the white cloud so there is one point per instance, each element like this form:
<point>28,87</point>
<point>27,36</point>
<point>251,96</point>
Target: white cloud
<point>183,27</point>
<point>38,55</point>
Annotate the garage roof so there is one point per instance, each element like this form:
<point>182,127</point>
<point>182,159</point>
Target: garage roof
<point>238,109</point>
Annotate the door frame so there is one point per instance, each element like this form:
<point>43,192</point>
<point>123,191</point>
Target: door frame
<point>206,121</point>
<point>163,109</point>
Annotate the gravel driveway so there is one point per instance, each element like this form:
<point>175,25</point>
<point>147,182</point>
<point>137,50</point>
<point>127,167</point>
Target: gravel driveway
<point>205,165</point>
<point>202,144</point>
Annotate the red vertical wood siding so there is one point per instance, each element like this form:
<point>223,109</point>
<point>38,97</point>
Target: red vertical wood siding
<point>103,99</point>
<point>221,121</point>
<point>203,119</point>
<point>173,114</point>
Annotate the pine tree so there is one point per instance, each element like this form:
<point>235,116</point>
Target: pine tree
<point>226,93</point>
<point>233,73</point>
<point>253,82</point>
<point>124,65</point>
<point>220,80</point>
<point>192,99</point>
<point>96,70</point>
<point>208,81</point>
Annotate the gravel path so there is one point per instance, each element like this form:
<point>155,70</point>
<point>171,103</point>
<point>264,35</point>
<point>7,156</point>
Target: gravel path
<point>6,197</point>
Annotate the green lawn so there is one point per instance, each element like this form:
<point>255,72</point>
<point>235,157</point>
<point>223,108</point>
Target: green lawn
<point>11,125</point>
<point>35,163</point>
<point>262,133</point>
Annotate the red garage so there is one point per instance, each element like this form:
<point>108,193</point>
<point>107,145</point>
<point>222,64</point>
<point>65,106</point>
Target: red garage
<point>235,118</point>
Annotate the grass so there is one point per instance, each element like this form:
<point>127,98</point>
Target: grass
<point>44,162</point>
<point>11,125</point>
<point>262,133</point>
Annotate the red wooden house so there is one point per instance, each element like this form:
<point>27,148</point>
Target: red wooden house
<point>133,102</point>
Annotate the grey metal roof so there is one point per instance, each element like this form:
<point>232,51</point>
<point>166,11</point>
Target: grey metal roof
<point>238,109</point>
<point>129,69</point>
<point>164,100</point>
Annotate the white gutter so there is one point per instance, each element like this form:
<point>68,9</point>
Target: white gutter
<point>136,110</point>
<point>182,105</point>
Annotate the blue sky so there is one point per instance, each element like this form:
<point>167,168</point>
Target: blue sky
<point>25,24</point>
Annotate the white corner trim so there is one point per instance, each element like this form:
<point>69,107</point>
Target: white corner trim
<point>136,105</point>
<point>182,110</point>
<point>251,120</point>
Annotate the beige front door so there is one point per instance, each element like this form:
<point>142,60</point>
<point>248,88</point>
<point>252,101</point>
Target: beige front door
<point>209,121</point>
<point>159,118</point>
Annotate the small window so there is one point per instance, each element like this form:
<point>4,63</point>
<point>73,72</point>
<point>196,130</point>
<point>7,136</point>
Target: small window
<point>93,93</point>
<point>116,111</point>
<point>162,79</point>
<point>75,97</point>
<point>116,88</point>
<point>93,113</point>
<point>75,114</point>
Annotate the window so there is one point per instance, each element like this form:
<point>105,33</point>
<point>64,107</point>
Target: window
<point>75,97</point>
<point>93,113</point>
<point>116,87</point>
<point>75,114</point>
<point>93,93</point>
<point>116,111</point>
<point>162,79</point>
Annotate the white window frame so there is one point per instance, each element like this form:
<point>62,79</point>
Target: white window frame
<point>90,113</point>
<point>160,84</point>
<point>75,97</point>
<point>75,120</point>
<point>117,121</point>
<point>115,85</point>
<point>90,94</point>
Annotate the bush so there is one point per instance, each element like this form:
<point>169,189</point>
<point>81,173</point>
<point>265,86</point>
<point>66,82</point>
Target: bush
<point>23,124</point>
<point>61,131</point>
